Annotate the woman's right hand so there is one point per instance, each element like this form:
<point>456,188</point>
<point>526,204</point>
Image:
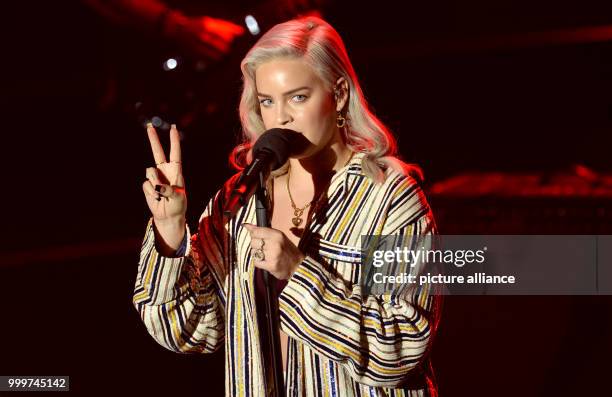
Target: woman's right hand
<point>164,188</point>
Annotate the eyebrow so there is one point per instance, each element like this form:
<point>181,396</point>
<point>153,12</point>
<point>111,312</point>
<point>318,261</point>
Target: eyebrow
<point>286,93</point>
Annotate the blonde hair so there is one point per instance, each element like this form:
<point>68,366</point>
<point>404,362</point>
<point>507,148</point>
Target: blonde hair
<point>321,47</point>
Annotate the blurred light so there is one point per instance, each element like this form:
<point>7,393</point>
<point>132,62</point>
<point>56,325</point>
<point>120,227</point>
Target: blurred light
<point>200,66</point>
<point>170,64</point>
<point>156,121</point>
<point>586,173</point>
<point>252,24</point>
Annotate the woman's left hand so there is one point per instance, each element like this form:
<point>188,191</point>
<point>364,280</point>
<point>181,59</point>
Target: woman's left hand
<point>281,256</point>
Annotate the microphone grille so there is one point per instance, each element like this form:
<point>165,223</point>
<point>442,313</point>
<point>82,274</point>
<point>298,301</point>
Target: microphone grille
<point>276,141</point>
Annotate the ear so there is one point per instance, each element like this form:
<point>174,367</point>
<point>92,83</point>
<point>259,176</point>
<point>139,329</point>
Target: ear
<point>341,93</point>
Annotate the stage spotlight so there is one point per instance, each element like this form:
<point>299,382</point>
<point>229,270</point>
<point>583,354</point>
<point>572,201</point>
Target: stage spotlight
<point>252,25</point>
<point>170,64</point>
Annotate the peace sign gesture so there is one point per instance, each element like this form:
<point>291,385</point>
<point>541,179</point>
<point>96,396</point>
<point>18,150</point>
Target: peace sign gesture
<point>165,187</point>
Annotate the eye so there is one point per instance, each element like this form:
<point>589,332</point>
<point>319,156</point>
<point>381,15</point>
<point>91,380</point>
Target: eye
<point>300,98</point>
<point>264,103</point>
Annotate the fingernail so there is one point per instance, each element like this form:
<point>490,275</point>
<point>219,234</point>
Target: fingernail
<point>149,125</point>
<point>173,126</point>
<point>158,188</point>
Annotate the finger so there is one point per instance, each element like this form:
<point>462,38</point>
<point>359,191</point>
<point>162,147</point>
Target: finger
<point>175,144</point>
<point>180,181</point>
<point>156,147</point>
<point>258,263</point>
<point>258,243</point>
<point>152,175</point>
<point>164,190</point>
<point>252,229</point>
<point>149,190</point>
<point>258,232</point>
<point>255,259</point>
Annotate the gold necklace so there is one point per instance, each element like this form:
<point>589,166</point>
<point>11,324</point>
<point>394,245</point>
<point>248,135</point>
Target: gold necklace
<point>298,212</point>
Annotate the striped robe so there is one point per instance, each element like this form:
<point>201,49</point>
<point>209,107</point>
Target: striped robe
<point>341,343</point>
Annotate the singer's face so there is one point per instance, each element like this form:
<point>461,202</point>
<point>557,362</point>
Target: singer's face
<point>292,96</point>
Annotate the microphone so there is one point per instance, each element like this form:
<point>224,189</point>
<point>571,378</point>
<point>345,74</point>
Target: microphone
<point>269,153</point>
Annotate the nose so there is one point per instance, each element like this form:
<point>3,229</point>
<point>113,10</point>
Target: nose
<point>282,116</point>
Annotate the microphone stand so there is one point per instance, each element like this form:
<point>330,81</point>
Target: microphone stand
<point>271,300</point>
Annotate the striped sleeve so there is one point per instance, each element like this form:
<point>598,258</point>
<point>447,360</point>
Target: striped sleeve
<point>182,300</point>
<point>377,339</point>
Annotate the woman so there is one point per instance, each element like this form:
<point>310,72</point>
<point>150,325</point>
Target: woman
<point>344,184</point>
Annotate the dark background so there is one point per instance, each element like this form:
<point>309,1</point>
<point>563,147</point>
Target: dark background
<point>462,84</point>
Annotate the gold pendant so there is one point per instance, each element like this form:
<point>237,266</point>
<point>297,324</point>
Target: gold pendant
<point>297,213</point>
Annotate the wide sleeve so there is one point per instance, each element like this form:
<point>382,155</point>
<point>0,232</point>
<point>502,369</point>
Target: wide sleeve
<point>181,300</point>
<point>377,339</point>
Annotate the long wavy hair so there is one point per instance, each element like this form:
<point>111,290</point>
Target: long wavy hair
<point>316,42</point>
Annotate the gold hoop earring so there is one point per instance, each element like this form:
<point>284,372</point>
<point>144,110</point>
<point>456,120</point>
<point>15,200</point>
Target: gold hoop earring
<point>340,121</point>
